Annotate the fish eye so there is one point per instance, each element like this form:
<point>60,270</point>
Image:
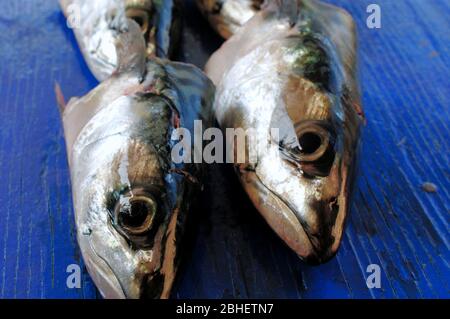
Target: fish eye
<point>315,151</point>
<point>135,213</point>
<point>309,142</point>
<point>313,139</point>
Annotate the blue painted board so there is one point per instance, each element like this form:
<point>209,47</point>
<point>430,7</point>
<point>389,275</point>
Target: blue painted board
<point>231,252</point>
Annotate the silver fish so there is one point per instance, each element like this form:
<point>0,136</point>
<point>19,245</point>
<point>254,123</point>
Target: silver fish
<point>228,16</point>
<point>98,23</point>
<point>293,68</point>
<point>131,201</point>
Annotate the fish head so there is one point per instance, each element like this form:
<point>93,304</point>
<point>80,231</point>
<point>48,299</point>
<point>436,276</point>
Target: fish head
<point>99,26</point>
<point>302,181</point>
<point>290,75</point>
<point>129,206</point>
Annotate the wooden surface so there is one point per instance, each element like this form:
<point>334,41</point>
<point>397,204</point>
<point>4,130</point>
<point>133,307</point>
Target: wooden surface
<point>231,252</point>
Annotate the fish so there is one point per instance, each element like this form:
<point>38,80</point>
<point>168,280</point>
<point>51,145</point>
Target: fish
<point>290,75</point>
<point>228,16</point>
<point>131,200</point>
<point>98,23</point>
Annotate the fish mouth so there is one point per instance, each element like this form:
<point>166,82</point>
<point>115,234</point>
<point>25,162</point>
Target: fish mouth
<point>312,248</point>
<point>101,271</point>
<point>111,287</point>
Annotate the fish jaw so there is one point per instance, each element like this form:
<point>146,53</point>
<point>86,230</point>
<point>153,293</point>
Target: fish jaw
<point>308,213</point>
<point>120,272</point>
<point>277,214</point>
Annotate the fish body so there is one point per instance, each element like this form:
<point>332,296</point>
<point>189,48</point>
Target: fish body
<point>130,199</point>
<point>292,68</point>
<point>228,16</point>
<point>97,25</point>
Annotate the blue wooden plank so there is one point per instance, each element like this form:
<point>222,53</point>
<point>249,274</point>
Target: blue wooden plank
<point>230,251</point>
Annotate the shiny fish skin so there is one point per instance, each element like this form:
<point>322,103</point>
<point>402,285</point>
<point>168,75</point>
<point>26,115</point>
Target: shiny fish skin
<point>98,23</point>
<point>130,200</point>
<point>293,67</point>
<point>228,16</point>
